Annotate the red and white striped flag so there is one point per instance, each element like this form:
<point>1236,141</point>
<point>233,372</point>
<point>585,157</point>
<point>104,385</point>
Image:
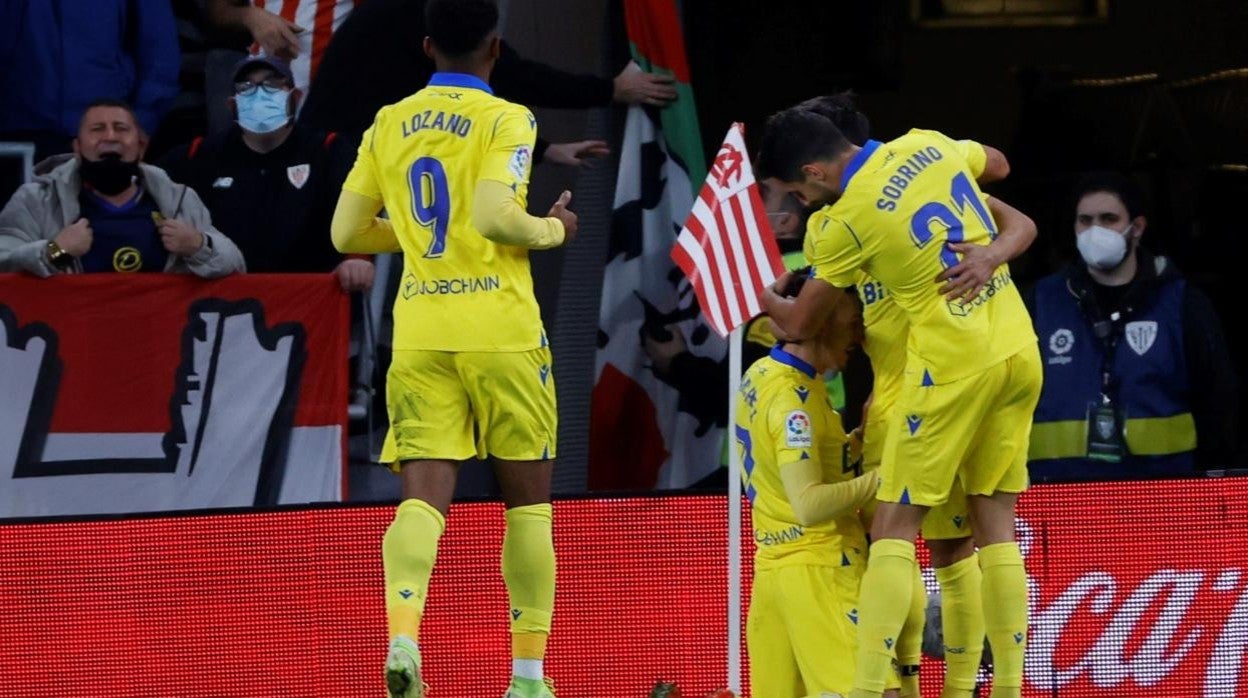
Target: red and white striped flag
<point>727,249</point>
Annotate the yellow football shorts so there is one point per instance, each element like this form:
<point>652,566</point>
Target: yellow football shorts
<point>948,521</point>
<point>801,631</point>
<point>458,405</point>
<point>975,430</point>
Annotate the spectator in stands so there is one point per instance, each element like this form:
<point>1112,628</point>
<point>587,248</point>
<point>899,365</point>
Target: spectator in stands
<point>105,210</point>
<point>1137,378</point>
<point>56,58</point>
<point>270,183</point>
<point>369,65</point>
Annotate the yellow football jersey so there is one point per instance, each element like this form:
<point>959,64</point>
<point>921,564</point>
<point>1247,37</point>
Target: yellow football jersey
<point>902,202</point>
<point>422,158</point>
<point>887,329</point>
<point>784,415</point>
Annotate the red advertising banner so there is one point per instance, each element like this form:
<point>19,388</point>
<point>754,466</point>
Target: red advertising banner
<point>1139,589</point>
<point>165,391</point>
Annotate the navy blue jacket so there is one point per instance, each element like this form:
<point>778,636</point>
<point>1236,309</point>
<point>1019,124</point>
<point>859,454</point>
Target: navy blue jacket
<point>57,56</point>
<point>1172,374</point>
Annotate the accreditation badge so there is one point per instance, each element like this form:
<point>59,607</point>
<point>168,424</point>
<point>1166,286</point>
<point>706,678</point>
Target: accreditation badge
<point>1106,442</point>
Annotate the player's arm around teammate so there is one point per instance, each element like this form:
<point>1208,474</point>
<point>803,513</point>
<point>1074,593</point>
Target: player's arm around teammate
<point>798,317</point>
<point>971,372</point>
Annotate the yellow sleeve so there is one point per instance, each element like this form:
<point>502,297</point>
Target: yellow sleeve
<point>758,331</point>
<point>791,428</point>
<point>834,252</point>
<point>498,215</point>
<point>972,152</point>
<point>509,155</point>
<point>814,501</point>
<point>363,178</point>
<point>356,229</point>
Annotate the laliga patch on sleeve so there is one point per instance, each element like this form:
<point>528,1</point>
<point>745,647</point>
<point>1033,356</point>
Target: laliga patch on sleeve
<point>519,165</point>
<point>798,432</point>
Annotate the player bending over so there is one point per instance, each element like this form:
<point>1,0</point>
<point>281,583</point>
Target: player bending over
<point>799,472</point>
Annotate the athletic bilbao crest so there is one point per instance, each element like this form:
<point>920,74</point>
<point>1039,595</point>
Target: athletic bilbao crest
<point>1104,426</point>
<point>1140,335</point>
<point>298,175</point>
<point>199,411</point>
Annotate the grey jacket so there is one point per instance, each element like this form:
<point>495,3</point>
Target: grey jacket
<point>41,209</point>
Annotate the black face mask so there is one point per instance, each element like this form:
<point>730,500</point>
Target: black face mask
<point>110,174</point>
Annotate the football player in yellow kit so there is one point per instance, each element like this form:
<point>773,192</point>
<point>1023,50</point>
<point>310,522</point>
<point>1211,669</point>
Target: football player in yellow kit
<point>471,374</point>
<point>899,212</point>
<point>799,471</point>
<point>946,529</point>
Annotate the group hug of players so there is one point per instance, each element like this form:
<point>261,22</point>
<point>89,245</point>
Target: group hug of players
<point>945,439</point>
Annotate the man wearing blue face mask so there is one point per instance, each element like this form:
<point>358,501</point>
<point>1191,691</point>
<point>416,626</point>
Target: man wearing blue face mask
<point>1137,378</point>
<point>270,183</point>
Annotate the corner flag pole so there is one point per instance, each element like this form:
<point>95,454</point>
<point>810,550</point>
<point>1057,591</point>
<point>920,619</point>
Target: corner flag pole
<point>727,230</point>
<point>734,515</point>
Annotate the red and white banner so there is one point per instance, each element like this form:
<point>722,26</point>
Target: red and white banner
<point>1138,590</point>
<point>727,249</point>
<point>158,392</point>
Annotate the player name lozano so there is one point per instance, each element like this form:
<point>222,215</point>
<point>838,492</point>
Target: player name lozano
<point>1118,640</point>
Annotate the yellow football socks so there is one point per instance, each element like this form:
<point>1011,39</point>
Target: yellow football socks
<point>408,551</point>
<point>1005,615</point>
<point>887,588</point>
<point>962,617</point>
<point>910,642</point>
<point>529,572</point>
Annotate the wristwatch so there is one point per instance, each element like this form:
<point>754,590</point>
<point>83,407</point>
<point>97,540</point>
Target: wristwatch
<point>58,257</point>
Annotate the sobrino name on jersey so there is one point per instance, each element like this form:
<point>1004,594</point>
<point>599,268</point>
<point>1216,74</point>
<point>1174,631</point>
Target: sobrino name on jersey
<point>906,172</point>
<point>439,121</point>
<point>449,287</point>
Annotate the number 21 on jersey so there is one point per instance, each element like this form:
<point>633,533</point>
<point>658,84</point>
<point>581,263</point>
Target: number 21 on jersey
<point>431,201</point>
<point>962,193</point>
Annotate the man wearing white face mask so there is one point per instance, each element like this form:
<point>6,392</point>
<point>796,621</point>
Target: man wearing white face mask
<point>271,184</point>
<point>1137,378</point>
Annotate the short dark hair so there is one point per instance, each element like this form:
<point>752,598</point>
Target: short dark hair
<point>797,137</point>
<point>1121,186</point>
<point>457,27</point>
<point>840,109</point>
<point>109,102</point>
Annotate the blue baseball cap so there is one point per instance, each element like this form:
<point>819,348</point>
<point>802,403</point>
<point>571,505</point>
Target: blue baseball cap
<point>278,65</point>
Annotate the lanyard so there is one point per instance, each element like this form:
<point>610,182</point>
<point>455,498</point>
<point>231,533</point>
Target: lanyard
<point>1108,332</point>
